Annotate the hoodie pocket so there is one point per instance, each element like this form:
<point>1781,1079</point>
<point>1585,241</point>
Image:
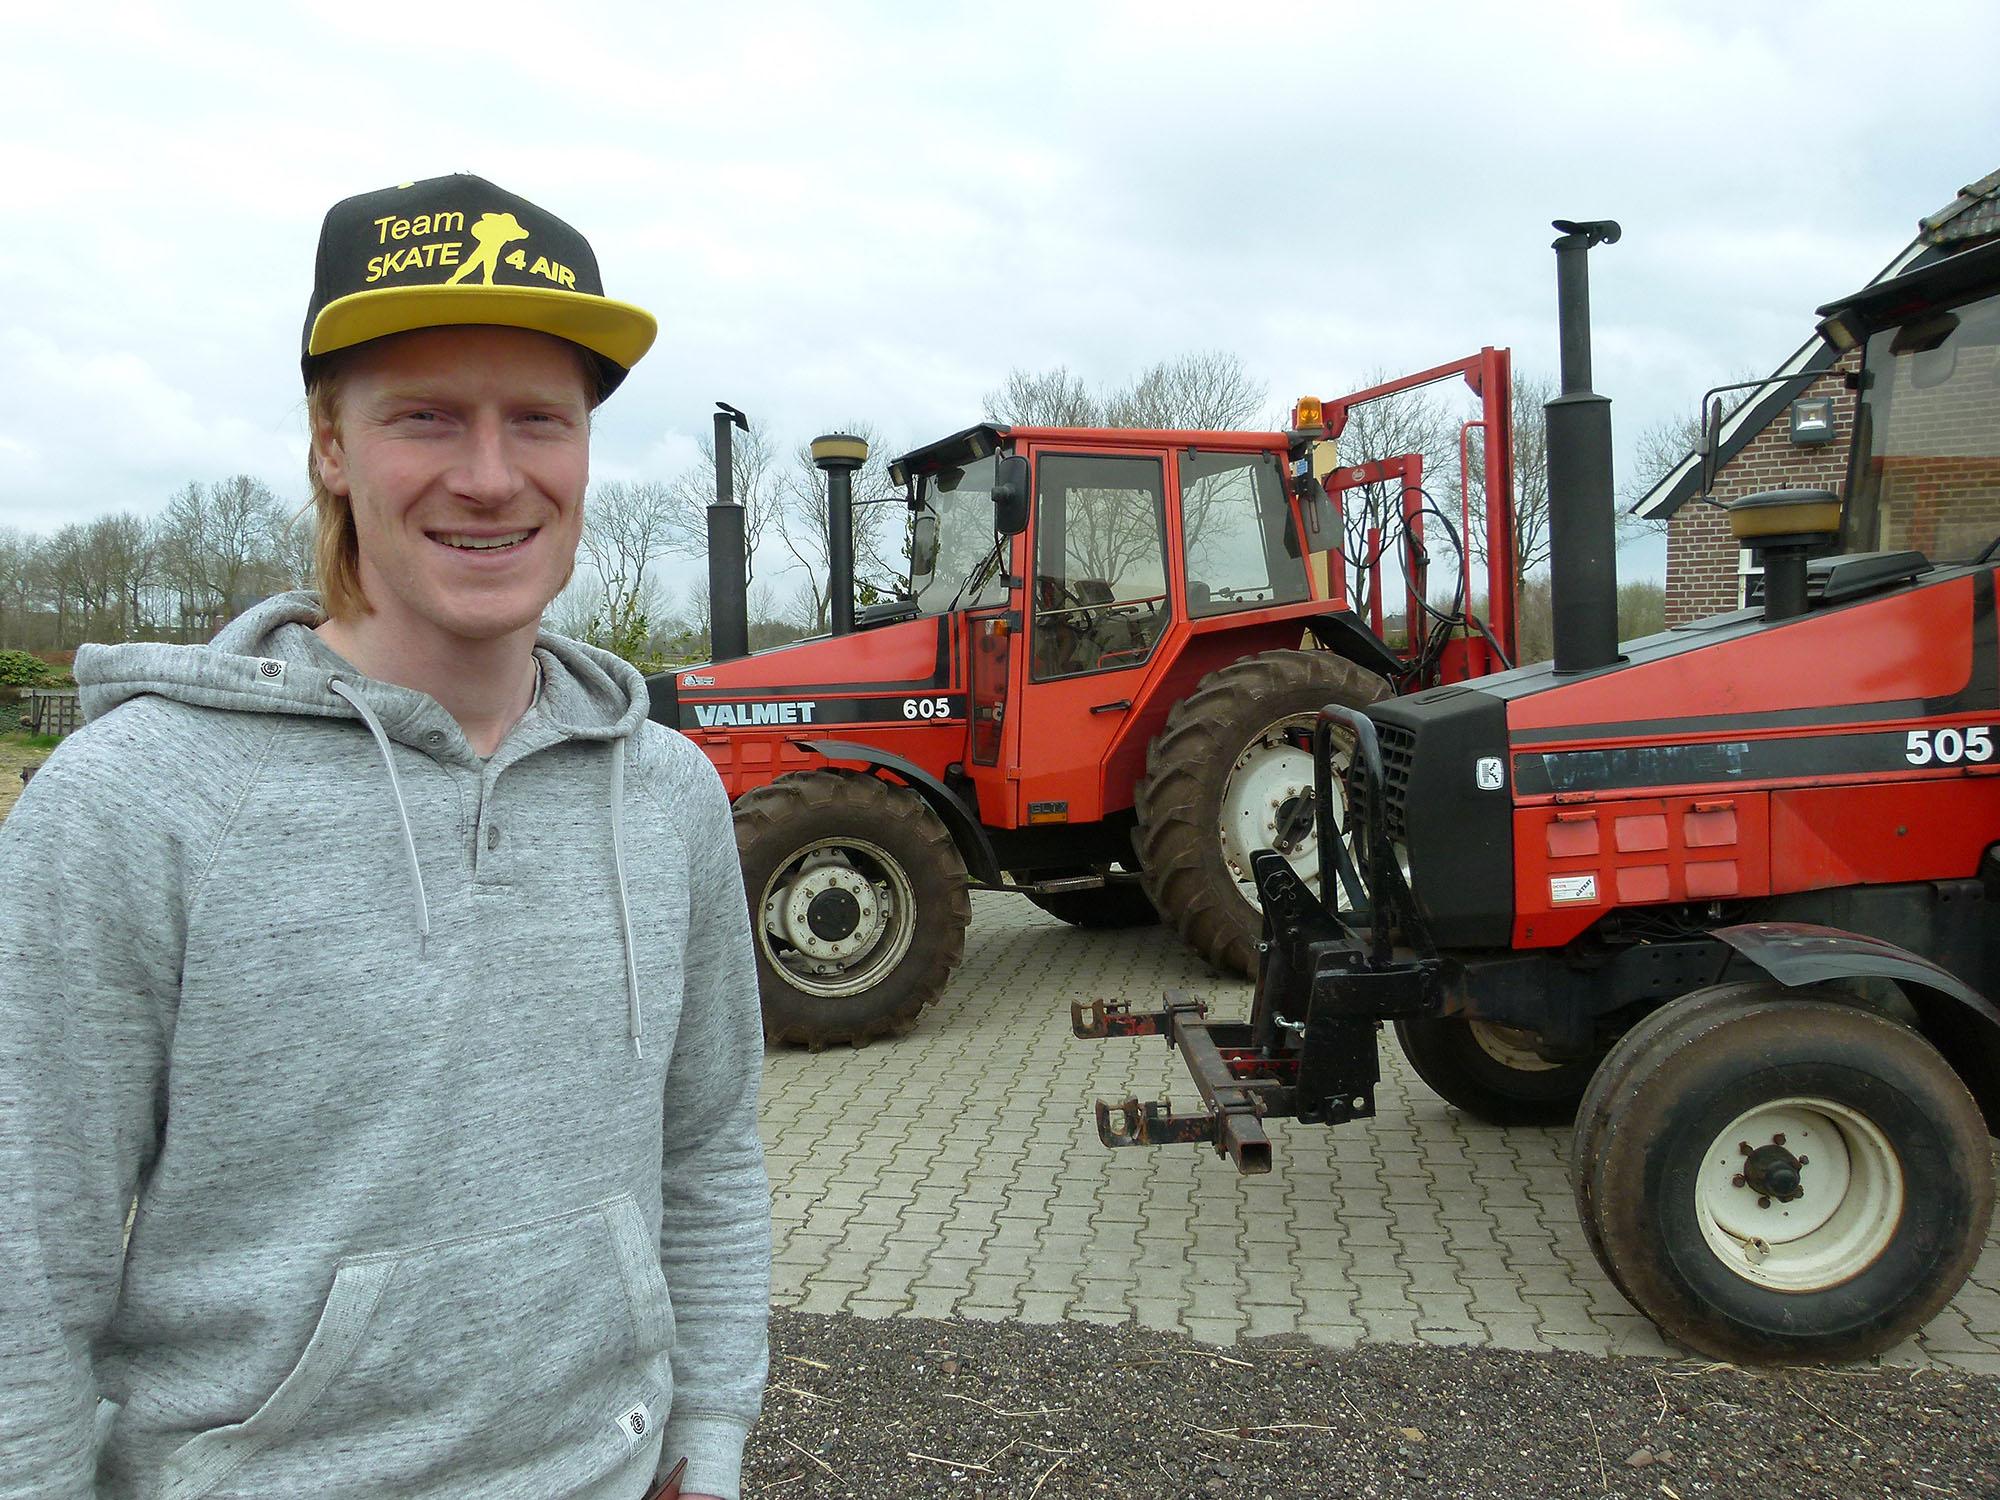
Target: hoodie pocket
<point>513,1352</point>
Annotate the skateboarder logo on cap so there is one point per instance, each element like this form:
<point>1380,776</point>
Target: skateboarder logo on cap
<point>492,233</point>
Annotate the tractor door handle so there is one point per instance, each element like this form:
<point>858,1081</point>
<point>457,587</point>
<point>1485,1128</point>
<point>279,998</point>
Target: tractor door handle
<point>1112,708</point>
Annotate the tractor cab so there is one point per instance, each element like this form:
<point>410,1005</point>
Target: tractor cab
<point>1096,693</point>
<point>1099,573</point>
<point>1925,473</point>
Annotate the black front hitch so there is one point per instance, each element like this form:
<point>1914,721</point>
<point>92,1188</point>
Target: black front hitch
<point>1326,980</point>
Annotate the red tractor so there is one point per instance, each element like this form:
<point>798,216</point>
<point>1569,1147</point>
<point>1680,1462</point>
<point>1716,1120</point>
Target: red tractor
<point>1725,896</point>
<point>1098,693</point>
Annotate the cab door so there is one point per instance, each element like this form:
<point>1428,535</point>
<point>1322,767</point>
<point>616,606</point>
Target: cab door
<point>1096,607</point>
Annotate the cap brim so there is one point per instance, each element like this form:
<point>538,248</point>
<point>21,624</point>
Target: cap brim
<point>619,331</point>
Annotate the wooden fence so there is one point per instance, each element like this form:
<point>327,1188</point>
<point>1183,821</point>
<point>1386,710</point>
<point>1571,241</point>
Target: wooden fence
<point>51,711</point>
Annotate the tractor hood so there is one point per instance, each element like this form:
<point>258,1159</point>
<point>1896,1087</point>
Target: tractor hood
<point>865,677</point>
<point>1734,700</point>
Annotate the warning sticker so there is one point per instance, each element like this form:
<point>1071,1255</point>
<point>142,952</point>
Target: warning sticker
<point>1567,889</point>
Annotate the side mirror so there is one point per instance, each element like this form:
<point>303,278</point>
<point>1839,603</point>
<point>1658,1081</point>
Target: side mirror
<point>924,544</point>
<point>1711,444</point>
<point>1322,520</point>
<point>1010,496</point>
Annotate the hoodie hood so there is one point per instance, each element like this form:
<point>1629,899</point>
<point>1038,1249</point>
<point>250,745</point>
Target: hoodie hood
<point>270,660</point>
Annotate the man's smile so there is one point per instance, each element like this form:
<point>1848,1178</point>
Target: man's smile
<point>472,541</point>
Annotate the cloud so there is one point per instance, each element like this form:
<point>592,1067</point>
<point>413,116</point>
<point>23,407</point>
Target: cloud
<point>93,432</point>
<point>878,210</point>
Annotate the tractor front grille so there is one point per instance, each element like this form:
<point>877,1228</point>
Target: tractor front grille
<point>1399,752</point>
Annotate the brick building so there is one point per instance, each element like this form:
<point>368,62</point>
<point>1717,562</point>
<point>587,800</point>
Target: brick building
<point>1794,431</point>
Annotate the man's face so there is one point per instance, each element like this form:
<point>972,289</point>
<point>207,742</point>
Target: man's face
<point>464,453</point>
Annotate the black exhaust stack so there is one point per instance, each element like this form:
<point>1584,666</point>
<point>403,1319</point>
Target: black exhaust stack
<point>837,455</point>
<point>1583,570</point>
<point>728,571</point>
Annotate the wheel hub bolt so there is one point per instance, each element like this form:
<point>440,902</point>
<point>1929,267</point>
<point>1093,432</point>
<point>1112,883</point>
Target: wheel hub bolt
<point>1772,1172</point>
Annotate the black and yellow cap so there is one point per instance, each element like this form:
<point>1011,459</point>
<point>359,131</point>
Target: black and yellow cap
<point>452,250</point>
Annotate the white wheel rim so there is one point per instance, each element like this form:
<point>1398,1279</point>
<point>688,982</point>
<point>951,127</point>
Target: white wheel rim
<point>885,917</point>
<point>1271,774</point>
<point>1510,1047</point>
<point>1850,1196</point>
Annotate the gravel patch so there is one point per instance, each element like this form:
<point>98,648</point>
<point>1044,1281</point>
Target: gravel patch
<point>911,1407</point>
<point>14,754</point>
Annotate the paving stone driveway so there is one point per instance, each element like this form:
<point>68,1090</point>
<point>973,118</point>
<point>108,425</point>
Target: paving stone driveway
<point>958,1171</point>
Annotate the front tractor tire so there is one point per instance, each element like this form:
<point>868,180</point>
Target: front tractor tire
<point>1493,1072</point>
<point>857,902</point>
<point>1783,1178</point>
<point>1226,777</point>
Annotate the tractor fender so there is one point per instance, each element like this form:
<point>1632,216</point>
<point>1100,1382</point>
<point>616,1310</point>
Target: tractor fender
<point>1959,1021</point>
<point>1343,634</point>
<point>974,847</point>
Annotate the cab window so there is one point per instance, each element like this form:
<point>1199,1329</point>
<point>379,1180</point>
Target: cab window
<point>1100,563</point>
<point>1241,547</point>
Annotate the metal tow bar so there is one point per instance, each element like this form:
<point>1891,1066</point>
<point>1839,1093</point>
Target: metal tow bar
<point>1231,1119</point>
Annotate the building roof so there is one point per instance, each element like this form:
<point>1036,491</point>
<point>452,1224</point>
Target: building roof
<point>1972,216</point>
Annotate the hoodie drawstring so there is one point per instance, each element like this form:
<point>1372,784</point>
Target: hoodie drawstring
<point>339,689</point>
<point>374,724</point>
<point>624,905</point>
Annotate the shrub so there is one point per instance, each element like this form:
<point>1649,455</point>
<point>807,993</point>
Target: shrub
<point>18,669</point>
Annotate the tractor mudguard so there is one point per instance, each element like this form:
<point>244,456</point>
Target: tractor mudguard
<point>1343,634</point>
<point>1962,1023</point>
<point>959,820</point>
<point>1797,954</point>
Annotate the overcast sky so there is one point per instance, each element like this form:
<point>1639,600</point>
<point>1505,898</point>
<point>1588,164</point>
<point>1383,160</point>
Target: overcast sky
<point>872,212</point>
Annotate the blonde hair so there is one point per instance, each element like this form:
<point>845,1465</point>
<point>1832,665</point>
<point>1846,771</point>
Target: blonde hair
<point>336,544</point>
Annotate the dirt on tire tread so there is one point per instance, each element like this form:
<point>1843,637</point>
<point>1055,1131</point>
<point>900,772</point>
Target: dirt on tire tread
<point>761,812</point>
<point>1173,838</point>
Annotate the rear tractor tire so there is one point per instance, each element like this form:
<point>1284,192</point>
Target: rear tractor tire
<point>1775,1177</point>
<point>1224,778</point>
<point>1493,1072</point>
<point>858,905</point>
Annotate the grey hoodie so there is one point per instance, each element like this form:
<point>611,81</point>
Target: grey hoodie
<point>433,1078</point>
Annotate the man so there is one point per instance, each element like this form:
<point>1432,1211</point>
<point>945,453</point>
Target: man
<point>390,971</point>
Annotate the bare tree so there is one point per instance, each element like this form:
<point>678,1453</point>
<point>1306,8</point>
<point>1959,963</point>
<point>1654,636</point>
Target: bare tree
<point>1207,390</point>
<point>118,552</point>
<point>218,548</point>
<point>180,543</point>
<point>66,576</point>
<point>576,608</point>
<point>754,482</point>
<point>17,580</point>
<point>1371,514</point>
<point>1531,395</point>
<point>626,528</point>
<point>802,524</point>
<point>697,612</point>
<point>1662,448</point>
<point>247,516</point>
<point>1044,398</point>
<point>292,543</point>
